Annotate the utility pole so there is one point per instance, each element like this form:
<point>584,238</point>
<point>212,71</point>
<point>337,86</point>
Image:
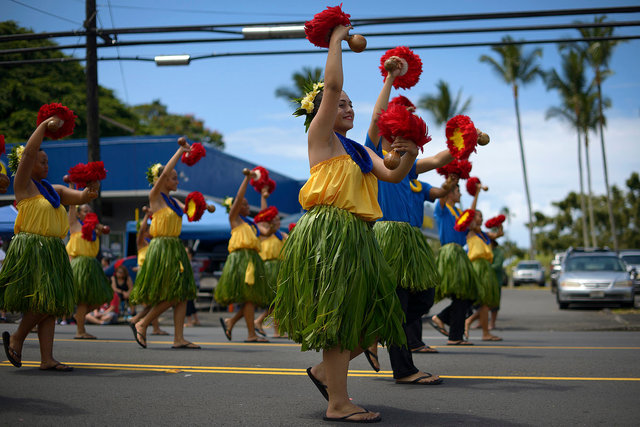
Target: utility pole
<point>93,134</point>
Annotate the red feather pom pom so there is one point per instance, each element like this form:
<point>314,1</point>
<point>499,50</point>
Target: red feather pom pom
<point>402,100</point>
<point>414,63</point>
<point>89,225</point>
<point>462,168</point>
<point>495,222</point>
<point>261,180</point>
<point>291,225</point>
<point>192,157</point>
<point>462,136</point>
<point>271,185</point>
<point>318,30</point>
<point>463,221</point>
<point>2,147</point>
<point>398,121</point>
<point>472,185</point>
<point>82,174</point>
<point>266,215</point>
<point>194,206</point>
<point>65,114</point>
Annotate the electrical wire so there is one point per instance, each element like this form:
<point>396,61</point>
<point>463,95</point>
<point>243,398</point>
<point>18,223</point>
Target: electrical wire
<point>45,12</point>
<point>115,38</point>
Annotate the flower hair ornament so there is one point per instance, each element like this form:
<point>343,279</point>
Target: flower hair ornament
<point>463,221</point>
<point>153,173</point>
<point>307,102</point>
<point>227,203</point>
<point>65,114</point>
<point>15,155</point>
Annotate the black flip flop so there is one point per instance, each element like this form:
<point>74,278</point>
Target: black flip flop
<point>443,331</point>
<point>346,419</point>
<point>136,334</point>
<point>60,367</point>
<point>417,380</point>
<point>11,353</point>
<point>189,346</point>
<point>424,349</point>
<point>370,356</point>
<point>322,388</point>
<point>227,332</point>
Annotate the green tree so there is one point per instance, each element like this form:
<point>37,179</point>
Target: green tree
<point>598,54</point>
<point>299,79</point>
<point>517,68</point>
<point>441,105</point>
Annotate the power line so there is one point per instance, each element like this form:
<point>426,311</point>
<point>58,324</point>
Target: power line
<point>200,11</point>
<point>45,12</point>
<point>124,82</point>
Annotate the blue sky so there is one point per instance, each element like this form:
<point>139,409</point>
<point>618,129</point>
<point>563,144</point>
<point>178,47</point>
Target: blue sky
<point>235,95</point>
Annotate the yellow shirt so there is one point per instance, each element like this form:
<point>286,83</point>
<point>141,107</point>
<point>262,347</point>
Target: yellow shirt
<point>339,182</point>
<point>37,216</point>
<point>77,246</point>
<point>478,249</point>
<point>243,237</point>
<point>142,253</point>
<point>165,223</point>
<point>270,247</point>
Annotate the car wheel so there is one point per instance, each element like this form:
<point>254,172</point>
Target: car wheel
<point>516,283</point>
<point>563,305</point>
<point>542,284</point>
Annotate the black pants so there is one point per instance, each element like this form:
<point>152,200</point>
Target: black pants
<point>414,329</point>
<point>191,308</point>
<point>414,305</point>
<point>454,315</point>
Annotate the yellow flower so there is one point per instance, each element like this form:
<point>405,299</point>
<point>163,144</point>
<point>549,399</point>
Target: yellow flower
<point>19,151</point>
<point>154,171</point>
<point>308,106</point>
<point>318,86</point>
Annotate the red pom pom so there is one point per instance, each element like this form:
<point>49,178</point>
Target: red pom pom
<point>318,30</point>
<point>414,63</point>
<point>89,225</point>
<point>462,136</point>
<point>472,185</point>
<point>65,114</point>
<point>194,206</point>
<point>462,168</point>
<point>402,100</point>
<point>291,225</point>
<point>397,121</point>
<point>261,180</point>
<point>82,174</point>
<point>266,215</point>
<point>495,222</point>
<point>2,147</point>
<point>463,221</point>
<point>192,157</point>
<point>271,185</point>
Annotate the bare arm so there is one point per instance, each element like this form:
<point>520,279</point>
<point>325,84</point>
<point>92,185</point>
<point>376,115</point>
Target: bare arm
<point>142,232</point>
<point>234,212</point>
<point>154,194</point>
<point>22,185</point>
<point>406,161</point>
<point>494,235</point>
<point>263,199</point>
<point>429,163</point>
<point>77,197</point>
<point>440,192</point>
<point>381,103</point>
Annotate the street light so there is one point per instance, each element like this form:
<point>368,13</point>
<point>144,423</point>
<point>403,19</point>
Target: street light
<point>280,32</point>
<point>172,60</point>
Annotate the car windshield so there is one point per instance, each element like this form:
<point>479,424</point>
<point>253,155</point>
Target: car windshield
<point>594,263</point>
<point>528,266</point>
<point>631,259</point>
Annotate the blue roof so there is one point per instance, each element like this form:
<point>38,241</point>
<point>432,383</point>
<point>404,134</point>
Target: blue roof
<point>127,158</point>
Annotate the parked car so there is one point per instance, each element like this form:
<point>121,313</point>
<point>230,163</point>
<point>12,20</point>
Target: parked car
<point>528,272</point>
<point>631,258</point>
<point>594,276</point>
<point>556,269</point>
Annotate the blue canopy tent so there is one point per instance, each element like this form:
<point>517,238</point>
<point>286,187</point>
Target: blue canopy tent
<point>8,216</point>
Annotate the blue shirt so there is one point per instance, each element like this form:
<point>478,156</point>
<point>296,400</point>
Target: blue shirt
<point>394,199</point>
<point>446,221</point>
<point>416,209</point>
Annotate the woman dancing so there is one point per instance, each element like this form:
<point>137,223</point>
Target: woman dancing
<point>36,277</point>
<point>335,292</point>
<point>165,279</point>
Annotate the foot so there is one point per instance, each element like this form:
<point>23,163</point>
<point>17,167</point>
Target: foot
<point>256,339</point>
<point>259,329</point>
<point>477,326</point>
<point>424,349</point>
<point>459,342</point>
<point>159,332</point>
<point>351,413</point>
<point>186,345</point>
<point>85,336</point>
<point>55,366</point>
<point>225,328</point>
<point>372,357</point>
<point>438,325</point>
<point>423,378</point>
<point>491,338</point>
<point>12,351</point>
<point>140,337</point>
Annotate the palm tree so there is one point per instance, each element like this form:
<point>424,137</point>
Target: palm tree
<point>516,67</point>
<point>598,54</point>
<point>571,85</point>
<point>441,106</point>
<point>299,80</point>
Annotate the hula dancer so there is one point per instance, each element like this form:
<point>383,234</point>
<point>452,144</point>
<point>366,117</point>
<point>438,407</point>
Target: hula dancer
<point>92,285</point>
<point>457,278</point>
<point>243,279</point>
<point>481,256</point>
<point>143,238</point>
<point>336,292</point>
<point>36,277</point>
<point>165,279</point>
<point>498,268</point>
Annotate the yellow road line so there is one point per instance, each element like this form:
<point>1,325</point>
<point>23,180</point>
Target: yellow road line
<point>298,372</point>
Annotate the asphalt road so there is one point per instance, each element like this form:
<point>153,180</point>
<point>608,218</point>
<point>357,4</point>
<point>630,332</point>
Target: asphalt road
<point>575,367</point>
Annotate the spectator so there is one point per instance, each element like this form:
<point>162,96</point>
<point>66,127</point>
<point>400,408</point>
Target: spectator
<point>107,314</point>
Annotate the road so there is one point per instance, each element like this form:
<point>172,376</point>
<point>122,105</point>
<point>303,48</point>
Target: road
<point>569,367</point>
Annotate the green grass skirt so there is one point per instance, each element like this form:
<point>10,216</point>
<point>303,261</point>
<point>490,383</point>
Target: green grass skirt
<point>160,279</point>
<point>232,287</point>
<point>457,276</point>
<point>36,276</point>
<point>271,269</point>
<point>409,255</point>
<point>489,289</point>
<point>92,284</point>
<point>334,287</point>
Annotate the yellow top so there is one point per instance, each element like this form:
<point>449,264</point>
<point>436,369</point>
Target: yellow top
<point>339,182</point>
<point>165,223</point>
<point>77,246</point>
<point>478,249</point>
<point>270,247</point>
<point>37,216</point>
<point>243,237</point>
<point>142,253</point>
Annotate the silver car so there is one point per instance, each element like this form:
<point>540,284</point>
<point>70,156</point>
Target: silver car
<point>631,258</point>
<point>594,277</point>
<point>528,272</point>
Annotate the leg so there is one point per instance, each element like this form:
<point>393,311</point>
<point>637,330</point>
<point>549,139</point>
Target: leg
<point>469,321</point>
<point>80,316</point>
<point>135,319</point>
<point>155,312</point>
<point>494,317</point>
<point>232,321</point>
<point>260,320</point>
<point>484,321</point>
<point>46,331</point>
<point>179,312</point>
<point>458,314</point>
<point>249,312</point>
<point>27,323</point>
<point>90,318</point>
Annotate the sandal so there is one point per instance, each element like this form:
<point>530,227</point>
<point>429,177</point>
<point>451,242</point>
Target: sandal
<point>14,357</point>
<point>370,358</point>
<point>59,367</point>
<point>227,332</point>
<point>424,349</point>
<point>138,335</point>
<point>322,388</point>
<point>438,328</point>
<point>418,381</point>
